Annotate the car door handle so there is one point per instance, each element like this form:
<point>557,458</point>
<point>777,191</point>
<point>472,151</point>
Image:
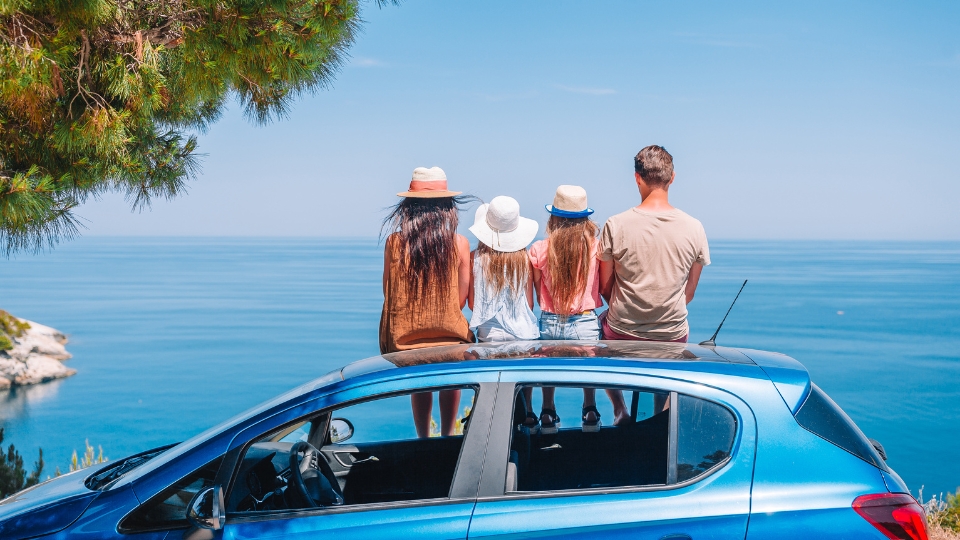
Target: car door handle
<point>676,537</point>
<point>551,447</point>
<point>349,459</point>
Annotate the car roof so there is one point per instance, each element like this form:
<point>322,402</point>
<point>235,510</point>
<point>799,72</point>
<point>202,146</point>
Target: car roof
<point>789,376</point>
<point>544,350</point>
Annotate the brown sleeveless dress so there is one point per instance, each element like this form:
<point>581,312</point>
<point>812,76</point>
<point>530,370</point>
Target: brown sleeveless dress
<point>404,327</point>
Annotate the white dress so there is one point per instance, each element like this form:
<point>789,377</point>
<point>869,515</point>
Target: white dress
<point>500,317</point>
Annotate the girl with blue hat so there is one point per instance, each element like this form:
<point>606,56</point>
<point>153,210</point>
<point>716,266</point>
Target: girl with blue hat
<point>568,289</point>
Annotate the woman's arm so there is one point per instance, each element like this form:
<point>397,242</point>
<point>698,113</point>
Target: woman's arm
<point>471,291</point>
<point>537,276</point>
<point>530,284</point>
<point>386,265</point>
<point>464,270</point>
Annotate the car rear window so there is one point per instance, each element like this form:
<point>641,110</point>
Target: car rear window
<point>706,433</point>
<point>824,418</point>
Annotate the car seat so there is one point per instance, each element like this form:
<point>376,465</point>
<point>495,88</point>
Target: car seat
<point>519,445</point>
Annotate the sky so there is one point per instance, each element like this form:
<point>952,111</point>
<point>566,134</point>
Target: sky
<point>810,120</point>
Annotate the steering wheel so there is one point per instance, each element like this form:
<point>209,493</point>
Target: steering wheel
<point>312,482</point>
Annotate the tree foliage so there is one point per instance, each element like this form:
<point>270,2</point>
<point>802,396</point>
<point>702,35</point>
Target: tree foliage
<point>10,327</point>
<point>101,96</point>
<point>13,477</point>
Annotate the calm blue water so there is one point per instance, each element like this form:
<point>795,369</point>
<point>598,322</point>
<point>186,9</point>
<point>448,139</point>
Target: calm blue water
<point>171,336</point>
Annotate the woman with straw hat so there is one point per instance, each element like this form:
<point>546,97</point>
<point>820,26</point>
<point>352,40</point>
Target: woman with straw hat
<point>426,278</point>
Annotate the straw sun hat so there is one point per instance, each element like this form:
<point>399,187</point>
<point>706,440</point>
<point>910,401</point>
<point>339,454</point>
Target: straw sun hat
<point>499,225</point>
<point>569,202</point>
<point>428,184</point>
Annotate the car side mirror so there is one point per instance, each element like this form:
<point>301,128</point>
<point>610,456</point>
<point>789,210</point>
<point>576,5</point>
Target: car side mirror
<point>206,509</point>
<point>340,430</point>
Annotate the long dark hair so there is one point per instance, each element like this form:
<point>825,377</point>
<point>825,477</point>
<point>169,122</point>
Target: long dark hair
<point>568,258</point>
<point>426,234</point>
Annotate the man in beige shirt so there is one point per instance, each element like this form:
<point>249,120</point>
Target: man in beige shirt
<point>651,257</point>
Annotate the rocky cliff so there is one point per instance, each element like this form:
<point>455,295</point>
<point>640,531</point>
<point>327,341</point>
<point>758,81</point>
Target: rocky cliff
<point>33,354</point>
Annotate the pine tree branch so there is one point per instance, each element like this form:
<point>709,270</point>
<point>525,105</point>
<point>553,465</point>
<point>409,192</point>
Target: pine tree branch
<point>102,96</point>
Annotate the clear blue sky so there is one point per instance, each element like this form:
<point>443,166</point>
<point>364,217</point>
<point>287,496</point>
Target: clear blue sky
<point>810,120</point>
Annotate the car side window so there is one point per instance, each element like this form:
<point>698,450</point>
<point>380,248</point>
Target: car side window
<point>637,452</point>
<point>376,456</point>
<point>572,458</point>
<point>168,509</point>
<point>705,433</point>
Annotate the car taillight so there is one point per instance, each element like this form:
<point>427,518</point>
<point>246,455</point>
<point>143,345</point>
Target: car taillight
<point>897,515</point>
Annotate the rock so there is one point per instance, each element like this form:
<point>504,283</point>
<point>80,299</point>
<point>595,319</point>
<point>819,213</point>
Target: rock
<point>42,340</point>
<point>37,356</point>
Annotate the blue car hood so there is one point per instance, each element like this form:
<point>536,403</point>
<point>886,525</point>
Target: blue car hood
<point>45,508</point>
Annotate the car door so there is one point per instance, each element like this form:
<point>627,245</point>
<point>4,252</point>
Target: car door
<point>388,481</point>
<point>681,470</point>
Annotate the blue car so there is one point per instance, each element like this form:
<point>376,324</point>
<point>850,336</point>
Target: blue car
<point>719,443</point>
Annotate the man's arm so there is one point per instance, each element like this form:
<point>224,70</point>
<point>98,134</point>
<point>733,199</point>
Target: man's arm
<point>606,279</point>
<point>692,281</point>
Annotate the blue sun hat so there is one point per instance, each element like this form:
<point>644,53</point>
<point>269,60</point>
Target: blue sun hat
<point>569,202</point>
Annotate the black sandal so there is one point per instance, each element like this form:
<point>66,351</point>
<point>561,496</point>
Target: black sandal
<point>532,423</point>
<point>550,424</point>
<point>590,426</point>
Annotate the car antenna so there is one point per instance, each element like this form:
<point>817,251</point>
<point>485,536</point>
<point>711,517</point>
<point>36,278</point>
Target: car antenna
<point>711,342</point>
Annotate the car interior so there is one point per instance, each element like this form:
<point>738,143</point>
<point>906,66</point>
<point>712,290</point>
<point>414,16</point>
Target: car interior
<point>367,452</point>
<point>313,464</point>
<point>634,454</point>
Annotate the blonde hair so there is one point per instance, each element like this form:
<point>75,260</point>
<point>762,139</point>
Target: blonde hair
<point>568,259</point>
<point>504,269</point>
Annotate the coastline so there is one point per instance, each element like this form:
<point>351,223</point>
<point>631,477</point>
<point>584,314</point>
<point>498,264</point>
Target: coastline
<point>35,355</point>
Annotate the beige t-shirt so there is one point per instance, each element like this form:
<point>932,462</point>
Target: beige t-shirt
<point>652,253</point>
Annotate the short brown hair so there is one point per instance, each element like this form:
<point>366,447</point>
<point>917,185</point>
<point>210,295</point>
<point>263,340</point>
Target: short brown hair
<point>655,165</point>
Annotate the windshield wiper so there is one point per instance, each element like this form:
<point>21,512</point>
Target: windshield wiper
<point>107,476</point>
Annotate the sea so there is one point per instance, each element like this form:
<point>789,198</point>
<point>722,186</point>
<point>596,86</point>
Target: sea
<point>170,336</point>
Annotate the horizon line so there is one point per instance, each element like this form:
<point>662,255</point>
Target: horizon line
<point>374,237</point>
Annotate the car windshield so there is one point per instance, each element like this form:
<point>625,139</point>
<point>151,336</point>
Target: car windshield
<point>189,444</point>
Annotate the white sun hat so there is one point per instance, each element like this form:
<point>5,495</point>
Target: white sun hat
<point>500,226</point>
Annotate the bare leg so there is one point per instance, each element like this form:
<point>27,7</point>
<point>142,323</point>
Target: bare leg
<point>422,405</point>
<point>548,398</point>
<point>449,403</point>
<point>620,412</point>
<point>528,393</point>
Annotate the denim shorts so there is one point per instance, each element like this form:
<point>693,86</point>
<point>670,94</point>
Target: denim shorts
<point>574,327</point>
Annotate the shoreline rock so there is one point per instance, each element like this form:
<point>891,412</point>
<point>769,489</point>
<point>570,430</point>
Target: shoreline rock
<point>37,356</point>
